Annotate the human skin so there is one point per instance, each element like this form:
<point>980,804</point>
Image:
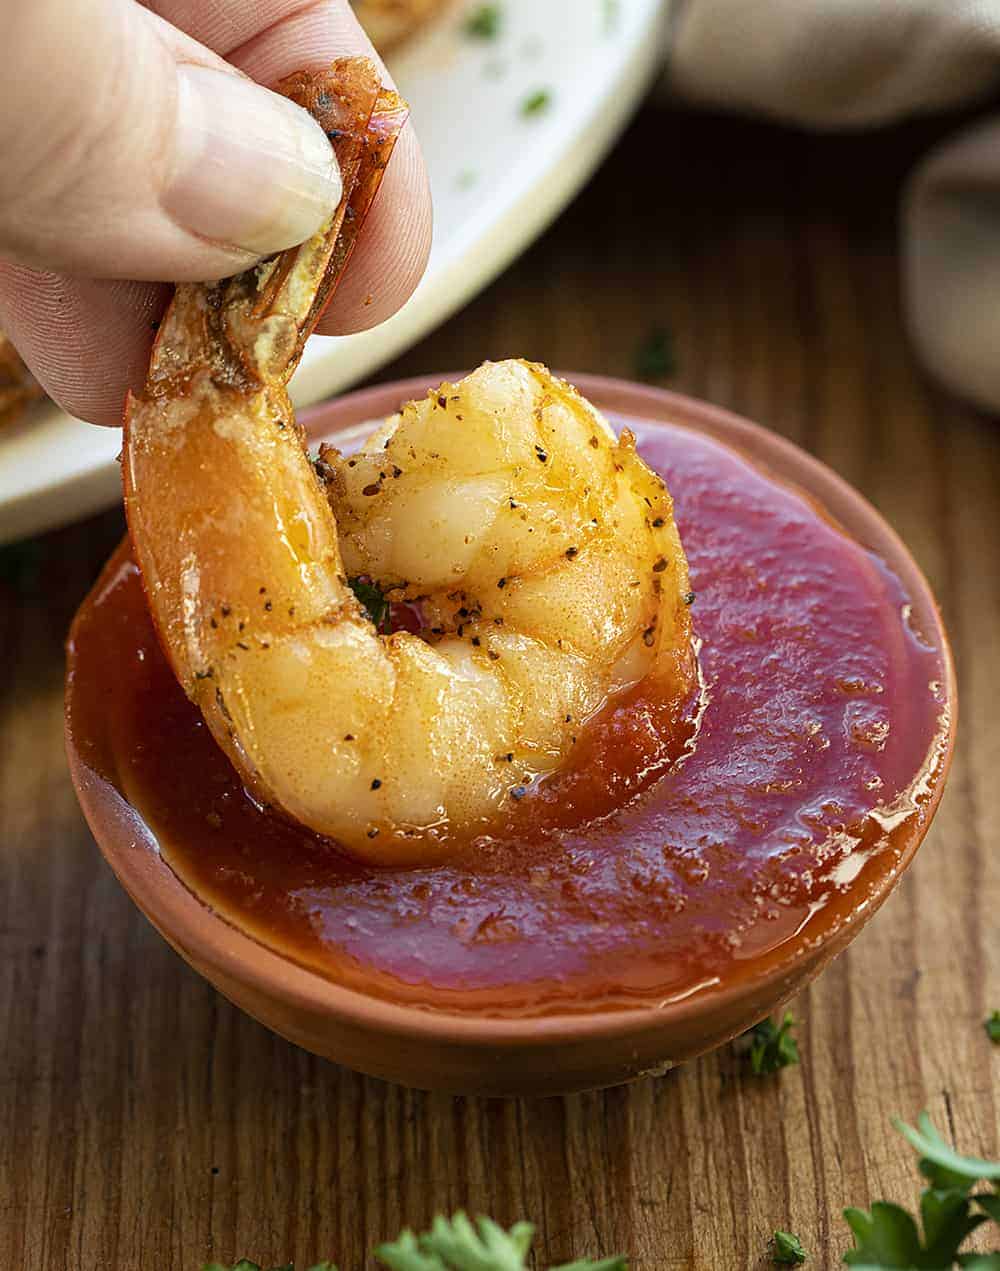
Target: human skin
<point>137,153</point>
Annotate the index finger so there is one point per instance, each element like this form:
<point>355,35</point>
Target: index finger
<point>268,39</point>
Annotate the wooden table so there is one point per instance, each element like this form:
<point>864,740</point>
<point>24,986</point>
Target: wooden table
<point>147,1124</point>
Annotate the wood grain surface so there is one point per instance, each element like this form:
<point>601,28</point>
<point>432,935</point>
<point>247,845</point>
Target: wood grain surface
<point>146,1125</point>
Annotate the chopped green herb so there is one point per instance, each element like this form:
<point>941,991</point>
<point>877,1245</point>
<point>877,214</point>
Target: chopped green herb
<point>536,103</point>
<point>484,23</point>
<point>467,178</point>
<point>888,1236</point>
<point>20,562</point>
<point>655,358</point>
<point>772,1047</point>
<point>788,1249</point>
<point>245,1265</point>
<point>992,1026</point>
<point>457,1244</point>
<point>374,603</point>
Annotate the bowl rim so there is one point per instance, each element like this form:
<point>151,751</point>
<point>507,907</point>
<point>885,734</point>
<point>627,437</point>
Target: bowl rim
<point>195,929</point>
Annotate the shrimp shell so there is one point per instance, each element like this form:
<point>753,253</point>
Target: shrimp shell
<point>518,507</point>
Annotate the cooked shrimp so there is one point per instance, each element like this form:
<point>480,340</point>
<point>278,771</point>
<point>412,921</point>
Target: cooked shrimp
<point>540,551</point>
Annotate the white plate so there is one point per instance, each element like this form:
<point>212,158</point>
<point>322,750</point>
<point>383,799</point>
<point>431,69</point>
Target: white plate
<point>499,176</point>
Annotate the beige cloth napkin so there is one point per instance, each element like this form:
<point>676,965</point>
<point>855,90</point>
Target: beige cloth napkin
<point>837,64</point>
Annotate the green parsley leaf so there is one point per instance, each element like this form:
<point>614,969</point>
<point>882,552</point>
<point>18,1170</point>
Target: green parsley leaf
<point>458,1244</point>
<point>942,1164</point>
<point>245,1264</point>
<point>772,1047</point>
<point>374,603</point>
<point>654,359</point>
<point>990,1201</point>
<point>885,1236</point>
<point>21,562</point>
<point>788,1249</point>
<point>888,1237</point>
<point>992,1026</point>
<point>242,1265</point>
<point>484,23</point>
<point>536,103</point>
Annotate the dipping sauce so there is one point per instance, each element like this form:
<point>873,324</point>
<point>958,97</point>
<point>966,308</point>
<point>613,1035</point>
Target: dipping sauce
<point>654,871</point>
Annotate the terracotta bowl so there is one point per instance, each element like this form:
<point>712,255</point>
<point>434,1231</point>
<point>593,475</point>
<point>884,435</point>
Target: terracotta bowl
<point>485,1055</point>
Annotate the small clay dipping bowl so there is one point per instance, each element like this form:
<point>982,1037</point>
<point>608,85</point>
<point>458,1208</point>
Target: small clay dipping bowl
<point>801,913</point>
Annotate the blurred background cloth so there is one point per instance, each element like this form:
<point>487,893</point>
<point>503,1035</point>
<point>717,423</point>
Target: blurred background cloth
<point>839,64</point>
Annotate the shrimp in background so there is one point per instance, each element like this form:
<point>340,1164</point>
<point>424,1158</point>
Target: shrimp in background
<point>540,551</point>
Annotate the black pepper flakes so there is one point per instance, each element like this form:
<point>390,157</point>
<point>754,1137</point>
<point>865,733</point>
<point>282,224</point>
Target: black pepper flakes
<point>542,454</point>
<point>501,583</point>
<point>372,488</point>
<point>443,402</point>
<point>660,565</point>
<point>690,598</point>
<point>373,832</point>
<point>648,636</point>
<point>518,792</point>
<point>376,783</point>
<point>348,736</point>
<point>571,552</point>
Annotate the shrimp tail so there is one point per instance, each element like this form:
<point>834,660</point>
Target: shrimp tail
<point>239,340</point>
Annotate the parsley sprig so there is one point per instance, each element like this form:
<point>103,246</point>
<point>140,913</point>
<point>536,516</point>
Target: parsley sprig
<point>456,1244</point>
<point>887,1236</point>
<point>373,600</point>
<point>787,1249</point>
<point>655,358</point>
<point>245,1264</point>
<point>772,1046</point>
<point>485,22</point>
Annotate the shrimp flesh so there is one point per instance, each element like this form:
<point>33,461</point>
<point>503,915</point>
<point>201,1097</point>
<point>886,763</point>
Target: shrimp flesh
<point>537,551</point>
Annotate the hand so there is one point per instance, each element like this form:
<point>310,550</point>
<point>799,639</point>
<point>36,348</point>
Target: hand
<point>134,149</point>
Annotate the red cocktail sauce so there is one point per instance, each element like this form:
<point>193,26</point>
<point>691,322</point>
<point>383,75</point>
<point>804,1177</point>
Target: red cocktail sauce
<point>669,860</point>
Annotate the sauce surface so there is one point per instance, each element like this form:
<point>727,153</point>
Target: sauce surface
<point>643,877</point>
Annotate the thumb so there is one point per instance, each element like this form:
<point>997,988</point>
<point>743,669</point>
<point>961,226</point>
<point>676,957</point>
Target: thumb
<point>131,151</point>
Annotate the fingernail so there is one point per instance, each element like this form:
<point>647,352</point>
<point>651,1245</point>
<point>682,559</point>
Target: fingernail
<point>252,169</point>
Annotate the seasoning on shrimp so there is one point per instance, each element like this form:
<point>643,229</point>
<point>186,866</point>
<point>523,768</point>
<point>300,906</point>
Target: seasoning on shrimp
<point>526,622</point>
